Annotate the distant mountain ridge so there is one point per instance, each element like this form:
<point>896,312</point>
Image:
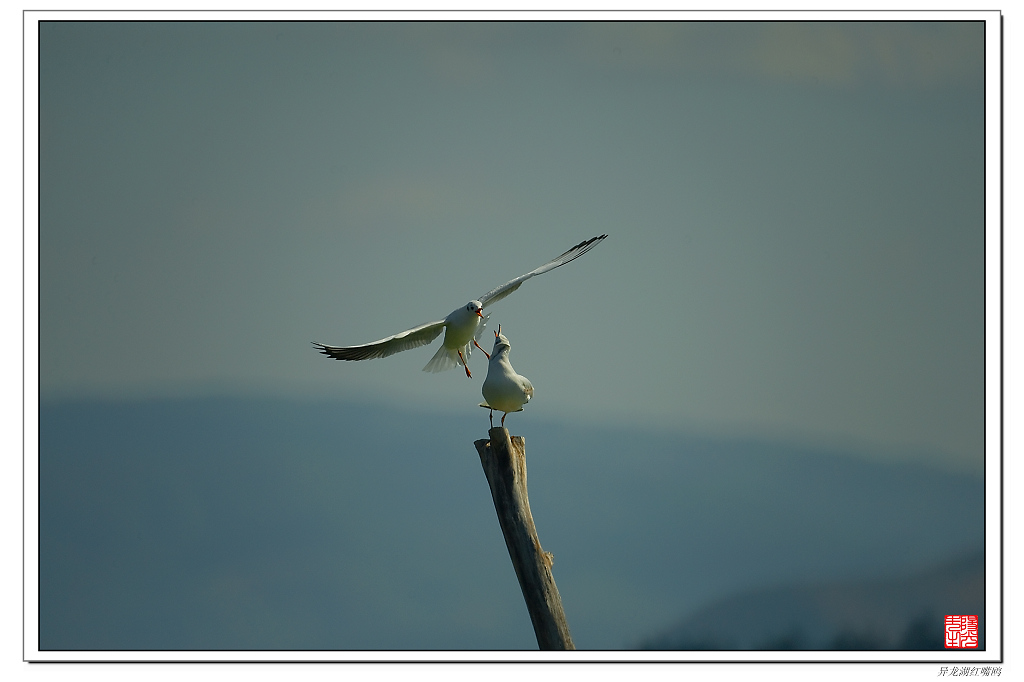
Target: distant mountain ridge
<point>227,523</point>
<point>904,613</point>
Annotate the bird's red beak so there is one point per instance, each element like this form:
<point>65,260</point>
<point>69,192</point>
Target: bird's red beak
<point>479,313</point>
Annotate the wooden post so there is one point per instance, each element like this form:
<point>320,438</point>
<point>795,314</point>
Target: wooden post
<point>504,462</point>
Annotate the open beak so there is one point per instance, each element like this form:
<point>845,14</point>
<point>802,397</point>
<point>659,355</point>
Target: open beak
<point>480,313</point>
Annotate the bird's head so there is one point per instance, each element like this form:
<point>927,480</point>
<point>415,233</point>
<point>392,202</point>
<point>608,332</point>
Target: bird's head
<point>500,341</point>
<point>475,307</point>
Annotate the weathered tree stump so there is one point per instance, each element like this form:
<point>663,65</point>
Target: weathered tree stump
<point>504,461</point>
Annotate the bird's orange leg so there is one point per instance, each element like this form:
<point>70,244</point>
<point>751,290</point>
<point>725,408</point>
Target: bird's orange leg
<point>503,419</point>
<point>481,349</point>
<point>490,417</point>
<point>465,364</point>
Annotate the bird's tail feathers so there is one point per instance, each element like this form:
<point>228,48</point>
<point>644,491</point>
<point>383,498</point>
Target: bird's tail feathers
<point>444,359</point>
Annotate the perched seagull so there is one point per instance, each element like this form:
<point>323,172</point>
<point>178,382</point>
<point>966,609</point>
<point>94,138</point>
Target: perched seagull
<point>503,389</point>
<point>462,327</point>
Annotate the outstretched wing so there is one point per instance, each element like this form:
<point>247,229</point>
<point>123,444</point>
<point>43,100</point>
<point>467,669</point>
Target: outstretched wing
<point>496,294</point>
<point>410,338</point>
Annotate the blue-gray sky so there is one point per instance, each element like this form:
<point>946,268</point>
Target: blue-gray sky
<point>795,211</point>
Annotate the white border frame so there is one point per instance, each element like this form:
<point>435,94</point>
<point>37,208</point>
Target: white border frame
<point>993,347</point>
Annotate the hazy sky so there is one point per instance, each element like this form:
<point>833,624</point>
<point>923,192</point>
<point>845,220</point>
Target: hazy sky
<point>795,215</point>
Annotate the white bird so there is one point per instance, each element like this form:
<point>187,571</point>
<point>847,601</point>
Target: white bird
<point>503,389</point>
<point>462,327</point>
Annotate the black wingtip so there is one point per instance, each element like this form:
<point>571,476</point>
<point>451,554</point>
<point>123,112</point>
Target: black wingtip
<point>321,348</point>
<point>592,240</point>
<point>582,247</point>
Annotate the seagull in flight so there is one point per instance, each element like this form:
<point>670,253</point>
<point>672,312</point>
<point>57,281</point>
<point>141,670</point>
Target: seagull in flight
<point>462,327</point>
<point>503,389</point>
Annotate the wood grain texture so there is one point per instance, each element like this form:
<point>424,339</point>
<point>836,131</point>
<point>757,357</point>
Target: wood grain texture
<point>504,461</point>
